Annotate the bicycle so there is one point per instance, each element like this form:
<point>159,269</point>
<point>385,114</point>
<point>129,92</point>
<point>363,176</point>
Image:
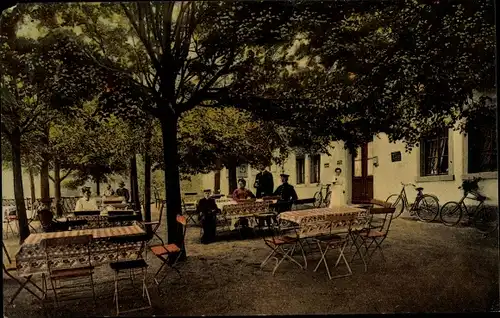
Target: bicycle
<point>425,206</point>
<point>452,212</point>
<point>319,199</point>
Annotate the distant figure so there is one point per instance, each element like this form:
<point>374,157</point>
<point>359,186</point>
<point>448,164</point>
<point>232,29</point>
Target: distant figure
<point>242,193</point>
<point>123,192</point>
<point>207,211</point>
<point>86,203</point>
<point>109,191</point>
<point>337,197</point>
<point>264,183</point>
<point>287,194</point>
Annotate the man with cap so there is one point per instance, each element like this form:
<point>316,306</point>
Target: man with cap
<point>207,211</point>
<point>287,194</point>
<point>122,191</point>
<point>86,203</point>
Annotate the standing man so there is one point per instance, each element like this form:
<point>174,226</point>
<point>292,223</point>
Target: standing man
<point>287,194</point>
<point>264,183</point>
<point>207,211</point>
<point>122,191</point>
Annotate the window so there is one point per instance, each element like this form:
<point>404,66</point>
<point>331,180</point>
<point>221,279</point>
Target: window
<point>434,154</point>
<point>314,176</point>
<point>482,146</point>
<point>300,165</point>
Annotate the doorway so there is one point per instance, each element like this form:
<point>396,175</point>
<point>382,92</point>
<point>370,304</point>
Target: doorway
<point>362,174</point>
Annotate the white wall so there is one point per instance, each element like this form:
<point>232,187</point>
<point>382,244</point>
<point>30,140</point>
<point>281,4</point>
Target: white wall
<point>387,176</point>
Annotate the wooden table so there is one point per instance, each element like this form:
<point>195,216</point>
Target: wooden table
<point>31,257</point>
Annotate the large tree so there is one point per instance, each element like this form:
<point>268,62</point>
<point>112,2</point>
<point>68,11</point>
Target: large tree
<point>179,54</point>
<point>32,76</point>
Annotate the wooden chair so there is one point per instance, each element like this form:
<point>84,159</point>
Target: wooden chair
<point>165,252</point>
<point>10,268</point>
<point>124,246</point>
<point>61,253</point>
<point>282,247</point>
<point>374,235</point>
<point>335,237</point>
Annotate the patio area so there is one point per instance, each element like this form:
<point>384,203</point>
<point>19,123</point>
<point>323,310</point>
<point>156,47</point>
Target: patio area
<point>430,268</point>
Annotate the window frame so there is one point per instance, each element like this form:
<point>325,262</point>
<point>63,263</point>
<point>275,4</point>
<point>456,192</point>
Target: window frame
<point>314,168</point>
<point>300,175</point>
<point>421,177</point>
<point>426,159</point>
<point>472,147</point>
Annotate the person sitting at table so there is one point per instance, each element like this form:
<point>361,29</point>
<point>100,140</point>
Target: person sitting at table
<point>109,191</point>
<point>48,223</point>
<point>86,203</point>
<point>207,211</point>
<point>123,192</point>
<point>287,194</point>
<point>242,193</point>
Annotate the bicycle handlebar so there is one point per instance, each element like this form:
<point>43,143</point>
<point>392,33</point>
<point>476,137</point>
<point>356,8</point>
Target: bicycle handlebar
<point>408,184</point>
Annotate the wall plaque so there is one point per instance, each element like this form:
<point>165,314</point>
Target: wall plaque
<point>327,165</point>
<point>396,156</point>
<point>242,171</point>
<point>339,162</point>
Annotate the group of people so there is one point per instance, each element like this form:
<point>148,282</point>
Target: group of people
<point>87,203</point>
<point>207,208</point>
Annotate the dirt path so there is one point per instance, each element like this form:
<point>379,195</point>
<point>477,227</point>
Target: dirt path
<point>430,268</point>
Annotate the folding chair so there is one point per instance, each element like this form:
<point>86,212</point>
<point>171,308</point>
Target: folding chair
<point>282,245</point>
<point>164,252</point>
<point>124,245</point>
<point>374,235</point>
<point>61,254</point>
<point>12,267</point>
<point>333,241</point>
<point>189,209</point>
<point>8,220</point>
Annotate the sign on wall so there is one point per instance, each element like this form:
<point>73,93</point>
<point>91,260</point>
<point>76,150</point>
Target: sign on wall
<point>327,165</point>
<point>242,171</point>
<point>396,156</point>
<point>339,162</point>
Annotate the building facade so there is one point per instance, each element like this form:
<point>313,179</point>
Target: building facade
<point>439,165</point>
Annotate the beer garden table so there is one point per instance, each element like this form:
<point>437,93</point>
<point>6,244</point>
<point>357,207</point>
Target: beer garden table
<point>305,219</point>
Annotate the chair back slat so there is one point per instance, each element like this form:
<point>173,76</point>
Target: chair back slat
<point>87,212</point>
<point>120,212</point>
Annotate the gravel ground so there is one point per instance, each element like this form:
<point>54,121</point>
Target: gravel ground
<point>429,268</point>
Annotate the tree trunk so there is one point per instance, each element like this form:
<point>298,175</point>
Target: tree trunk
<point>98,186</point>
<point>32,187</point>
<point>57,187</point>
<point>134,183</point>
<point>217,177</point>
<point>233,182</point>
<point>147,180</point>
<point>24,230</point>
<point>172,180</point>
<point>44,172</point>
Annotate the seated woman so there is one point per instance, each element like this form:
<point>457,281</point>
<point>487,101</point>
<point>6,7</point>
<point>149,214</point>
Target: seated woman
<point>242,193</point>
<point>86,203</point>
<point>207,210</point>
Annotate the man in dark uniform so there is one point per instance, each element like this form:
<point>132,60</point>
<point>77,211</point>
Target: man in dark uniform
<point>287,194</point>
<point>264,183</point>
<point>207,211</point>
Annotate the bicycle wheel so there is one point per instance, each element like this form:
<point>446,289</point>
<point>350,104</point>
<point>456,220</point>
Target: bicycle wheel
<point>318,198</point>
<point>327,199</point>
<point>451,213</point>
<point>485,220</point>
<point>427,208</point>
<point>396,203</point>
